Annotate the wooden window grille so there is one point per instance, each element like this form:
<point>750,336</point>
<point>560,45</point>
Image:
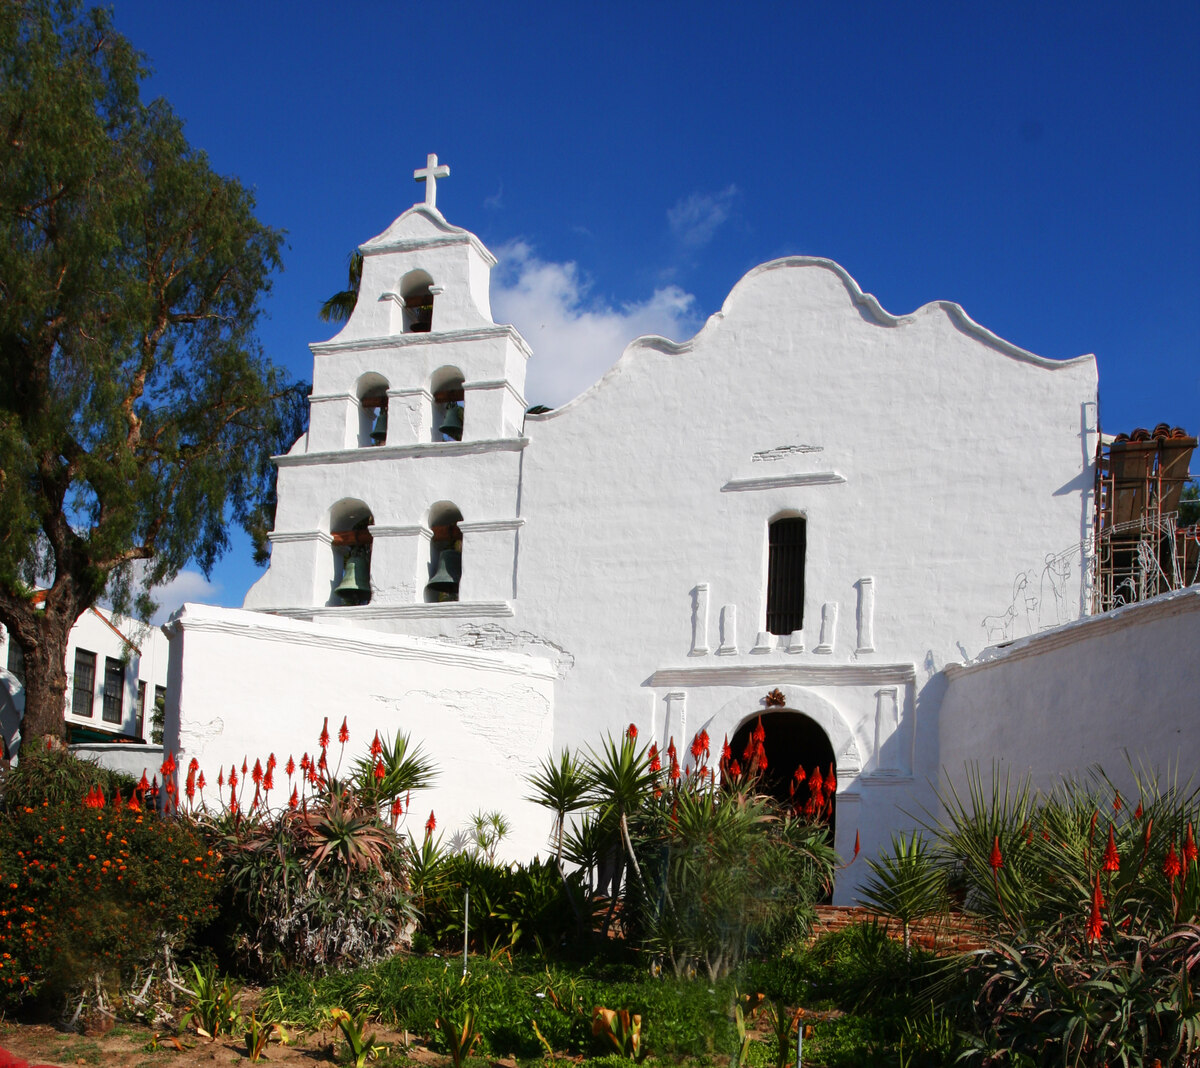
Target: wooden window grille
<point>141,710</point>
<point>114,690</point>
<point>785,576</point>
<point>83,687</point>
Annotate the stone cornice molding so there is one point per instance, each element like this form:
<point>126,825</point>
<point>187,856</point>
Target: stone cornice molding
<point>411,530</point>
<point>480,526</point>
<point>787,675</point>
<point>287,537</point>
<point>374,644</point>
<point>400,452</point>
<point>433,337</point>
<point>1164,606</point>
<point>795,478</point>
<point>495,383</point>
<point>442,610</point>
<point>321,398</point>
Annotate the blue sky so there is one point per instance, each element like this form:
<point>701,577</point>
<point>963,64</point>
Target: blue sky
<point>1038,164</point>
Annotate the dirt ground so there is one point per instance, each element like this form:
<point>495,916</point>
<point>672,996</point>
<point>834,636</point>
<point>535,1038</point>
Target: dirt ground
<point>133,1046</point>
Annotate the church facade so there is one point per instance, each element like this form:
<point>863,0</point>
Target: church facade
<point>805,513</point>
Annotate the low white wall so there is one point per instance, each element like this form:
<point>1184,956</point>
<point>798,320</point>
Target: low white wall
<point>130,759</point>
<point>251,684</point>
<point>1083,694</point>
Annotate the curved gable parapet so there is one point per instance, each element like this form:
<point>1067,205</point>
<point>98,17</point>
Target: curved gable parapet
<point>420,227</point>
<point>867,305</point>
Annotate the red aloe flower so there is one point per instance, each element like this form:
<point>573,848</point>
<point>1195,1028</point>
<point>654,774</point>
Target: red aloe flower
<point>816,783</point>
<point>996,861</point>
<point>200,782</point>
<point>655,762</point>
<point>674,770</point>
<point>760,735</point>
<point>1118,804</point>
<point>323,739</point>
<point>1171,865</point>
<point>133,805</point>
<point>697,749</point>
<point>379,772</point>
<point>726,752</point>
<point>430,824</point>
<point>631,732</point>
<point>344,732</point>
<point>271,761</point>
<point>233,779</point>
<point>761,757</point>
<point>1095,924</point>
<point>168,768</point>
<point>798,776</point>
<point>376,745</point>
<point>397,810</point>
<point>143,782</point>
<point>671,753</point>
<point>257,774</point>
<point>322,763</point>
<point>831,781</point>
<point>735,769</point>
<point>856,845</point>
<point>1112,861</point>
<point>232,796</point>
<point>1137,812</point>
<point>290,766</point>
<point>1189,845</point>
<point>294,800</point>
<point>268,782</point>
<point>305,763</point>
<point>220,778</point>
<point>245,768</point>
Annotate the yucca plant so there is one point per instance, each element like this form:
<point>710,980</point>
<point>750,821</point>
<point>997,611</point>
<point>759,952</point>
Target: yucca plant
<point>907,884</point>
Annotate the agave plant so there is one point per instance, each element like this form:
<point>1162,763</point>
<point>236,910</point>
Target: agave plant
<point>907,884</point>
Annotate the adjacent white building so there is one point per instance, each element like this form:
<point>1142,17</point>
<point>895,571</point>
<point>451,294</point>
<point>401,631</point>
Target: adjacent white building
<point>807,513</point>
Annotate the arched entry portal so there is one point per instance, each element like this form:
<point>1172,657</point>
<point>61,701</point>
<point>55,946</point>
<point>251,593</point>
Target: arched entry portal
<point>792,740</point>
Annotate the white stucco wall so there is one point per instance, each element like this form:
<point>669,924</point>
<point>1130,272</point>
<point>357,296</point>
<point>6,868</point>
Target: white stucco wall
<point>1118,690</point>
<point>248,684</point>
<point>944,474</point>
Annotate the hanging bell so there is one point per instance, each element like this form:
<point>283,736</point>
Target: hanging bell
<point>449,571</point>
<point>452,422</point>
<point>379,430</point>
<point>355,587</point>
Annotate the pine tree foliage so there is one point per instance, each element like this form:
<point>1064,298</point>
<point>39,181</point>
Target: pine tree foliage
<point>137,412</point>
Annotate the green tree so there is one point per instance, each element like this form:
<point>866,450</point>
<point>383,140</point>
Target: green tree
<point>137,412</point>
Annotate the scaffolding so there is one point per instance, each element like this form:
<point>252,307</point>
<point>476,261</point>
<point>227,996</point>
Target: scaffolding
<point>1141,548</point>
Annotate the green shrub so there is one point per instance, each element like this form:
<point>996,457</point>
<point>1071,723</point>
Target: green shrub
<point>95,891</point>
<point>57,776</point>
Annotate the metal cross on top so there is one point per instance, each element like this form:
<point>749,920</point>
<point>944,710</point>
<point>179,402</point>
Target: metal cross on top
<point>429,174</point>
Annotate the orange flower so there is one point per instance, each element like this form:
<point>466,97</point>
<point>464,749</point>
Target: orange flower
<point>430,824</point>
<point>1171,865</point>
<point>1189,845</point>
<point>996,861</point>
<point>344,732</point>
<point>1112,862</point>
<point>323,739</point>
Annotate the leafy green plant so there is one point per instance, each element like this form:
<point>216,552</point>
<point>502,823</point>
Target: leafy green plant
<point>258,1034</point>
<point>460,1035</point>
<point>359,1044</point>
<point>216,1003</point>
<point>907,884</point>
<point>745,1007</point>
<point>623,1029</point>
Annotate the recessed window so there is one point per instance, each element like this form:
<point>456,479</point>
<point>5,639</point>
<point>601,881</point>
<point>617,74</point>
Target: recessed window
<point>141,710</point>
<point>114,690</point>
<point>83,686</point>
<point>785,575</point>
<point>418,302</point>
<point>445,553</point>
<point>350,532</point>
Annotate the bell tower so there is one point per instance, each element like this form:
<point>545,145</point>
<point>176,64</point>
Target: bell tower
<point>416,414</point>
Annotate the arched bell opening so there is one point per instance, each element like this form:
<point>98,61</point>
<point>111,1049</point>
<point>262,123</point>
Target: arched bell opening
<point>445,553</point>
<point>446,385</point>
<point>371,391</point>
<point>418,302</point>
<point>794,744</point>
<point>349,529</point>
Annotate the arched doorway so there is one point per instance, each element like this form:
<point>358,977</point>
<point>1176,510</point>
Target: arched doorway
<point>792,740</point>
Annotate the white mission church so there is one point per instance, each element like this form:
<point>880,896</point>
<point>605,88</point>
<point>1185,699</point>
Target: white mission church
<point>896,522</point>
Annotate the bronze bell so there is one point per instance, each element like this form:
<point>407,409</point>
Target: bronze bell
<point>452,422</point>
<point>449,571</point>
<point>355,587</point>
<point>379,430</point>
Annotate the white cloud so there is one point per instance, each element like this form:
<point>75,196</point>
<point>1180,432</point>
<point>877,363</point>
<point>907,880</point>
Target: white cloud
<point>695,219</point>
<point>574,337</point>
<point>186,586</point>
